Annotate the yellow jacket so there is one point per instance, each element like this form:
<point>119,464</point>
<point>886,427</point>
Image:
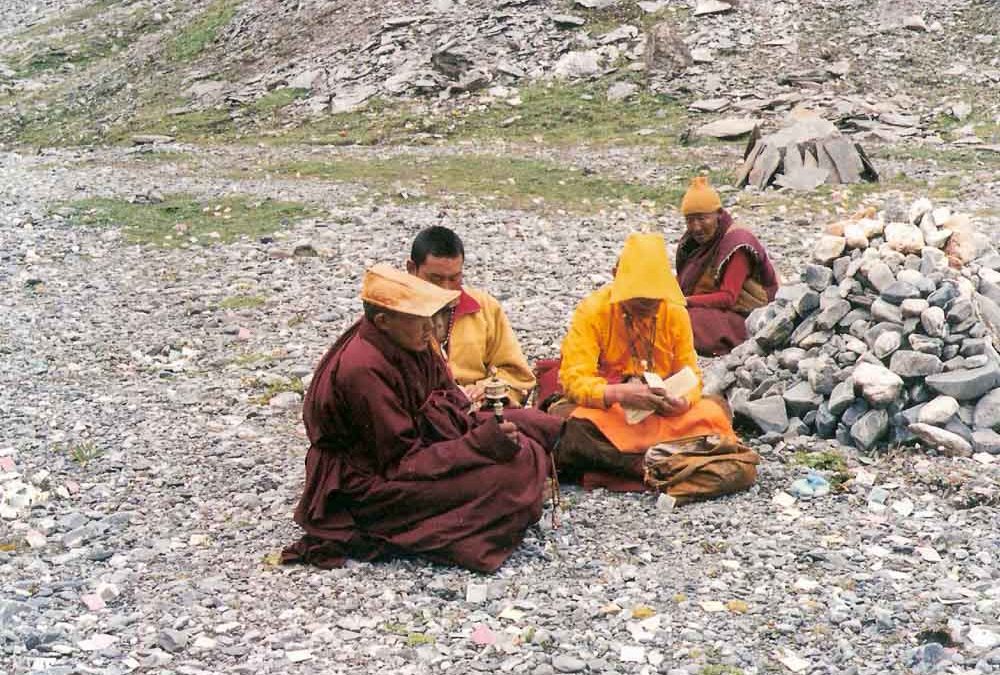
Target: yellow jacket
<point>596,351</point>
<point>481,337</point>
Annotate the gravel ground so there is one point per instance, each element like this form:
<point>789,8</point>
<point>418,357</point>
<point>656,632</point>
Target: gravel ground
<point>127,395</point>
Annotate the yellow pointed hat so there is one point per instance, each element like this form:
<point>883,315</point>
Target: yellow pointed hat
<point>700,197</point>
<point>644,271</point>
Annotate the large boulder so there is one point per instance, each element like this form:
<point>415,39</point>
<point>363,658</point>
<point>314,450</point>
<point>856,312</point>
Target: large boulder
<point>666,52</point>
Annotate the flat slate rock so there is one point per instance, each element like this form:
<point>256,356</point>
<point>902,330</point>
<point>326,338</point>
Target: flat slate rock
<point>965,384</point>
<point>568,20</point>
<point>705,7</point>
<point>730,127</point>
<point>710,105</point>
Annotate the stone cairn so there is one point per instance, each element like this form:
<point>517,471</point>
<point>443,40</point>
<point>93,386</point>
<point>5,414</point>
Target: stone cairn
<point>889,338</point>
<point>807,153</point>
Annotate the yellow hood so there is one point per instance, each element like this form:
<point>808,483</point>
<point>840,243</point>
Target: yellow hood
<point>644,271</point>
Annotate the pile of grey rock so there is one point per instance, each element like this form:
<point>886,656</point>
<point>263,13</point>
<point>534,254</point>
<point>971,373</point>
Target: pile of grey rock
<point>805,154</point>
<point>889,338</point>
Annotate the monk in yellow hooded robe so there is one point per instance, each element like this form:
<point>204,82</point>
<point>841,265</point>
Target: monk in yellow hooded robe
<point>636,324</point>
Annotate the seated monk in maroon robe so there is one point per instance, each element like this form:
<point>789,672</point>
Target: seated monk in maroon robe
<point>723,270</point>
<point>396,464</point>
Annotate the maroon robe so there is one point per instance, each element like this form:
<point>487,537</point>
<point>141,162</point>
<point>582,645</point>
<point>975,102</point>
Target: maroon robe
<point>700,268</point>
<point>397,466</point>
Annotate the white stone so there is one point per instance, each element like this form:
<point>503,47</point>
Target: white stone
<point>285,400</point>
<point>935,437</point>
<point>792,661</point>
<point>873,227</point>
<point>620,91</point>
<point>983,638</point>
<point>306,79</point>
<point>783,499</point>
<point>904,238</point>
<point>578,64</point>
<point>903,507</point>
<point>913,307</point>
<point>204,642</point>
<point>97,642</point>
<point>879,385</point>
<point>933,321</point>
<point>938,411</point>
<point>35,539</point>
<point>705,7</point>
<point>887,343</point>
<point>476,593</point>
<point>806,585</point>
<point>829,248</point>
<point>928,554</point>
<point>299,655</point>
<point>107,591</point>
<point>854,233</point>
<point>633,654</point>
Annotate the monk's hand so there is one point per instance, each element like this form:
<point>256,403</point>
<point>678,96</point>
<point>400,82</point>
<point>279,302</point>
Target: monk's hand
<point>510,429</point>
<point>635,395</point>
<point>673,405</point>
<point>476,392</point>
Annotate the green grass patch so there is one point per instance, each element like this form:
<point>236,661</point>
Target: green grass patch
<point>832,464</point>
<point>50,127</point>
<point>84,453</point>
<point>105,36</point>
<point>553,113</point>
<point>578,114</point>
<point>944,157</point>
<point>242,302</point>
<point>77,55</point>
<point>504,182</point>
<point>211,125</point>
<point>271,390</point>
<point>196,126</point>
<point>823,461</point>
<point>275,100</point>
<point>171,156</point>
<point>419,639</point>
<point>986,128</point>
<point>605,19</point>
<point>71,18</point>
<point>202,31</point>
<point>720,670</point>
<point>182,220</point>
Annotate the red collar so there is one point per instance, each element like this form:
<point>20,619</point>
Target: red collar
<point>466,305</point>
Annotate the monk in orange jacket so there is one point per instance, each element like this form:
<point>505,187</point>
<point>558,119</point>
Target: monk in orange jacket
<point>635,325</point>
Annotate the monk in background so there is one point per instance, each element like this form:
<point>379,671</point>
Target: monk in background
<point>723,270</point>
<point>397,465</point>
<point>634,325</point>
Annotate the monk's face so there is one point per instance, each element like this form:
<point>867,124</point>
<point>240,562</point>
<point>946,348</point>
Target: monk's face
<point>412,333</point>
<point>702,226</point>
<point>443,272</point>
<point>641,308</point>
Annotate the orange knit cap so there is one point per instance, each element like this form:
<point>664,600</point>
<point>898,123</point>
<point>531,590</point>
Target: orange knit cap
<point>700,197</point>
